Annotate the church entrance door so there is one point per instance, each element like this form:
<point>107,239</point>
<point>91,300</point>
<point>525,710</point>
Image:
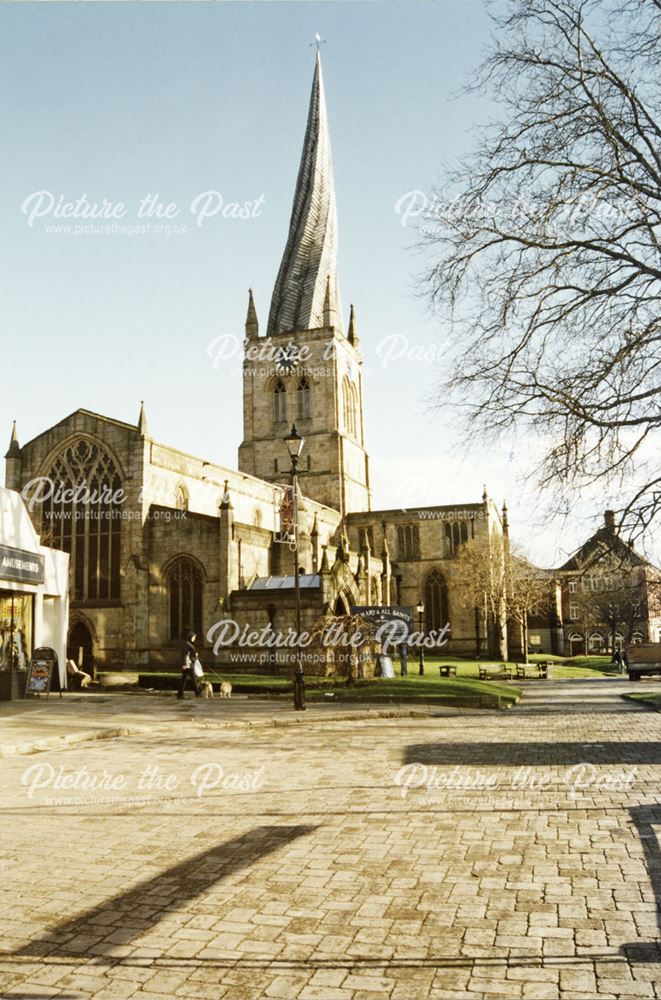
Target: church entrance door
<point>80,647</point>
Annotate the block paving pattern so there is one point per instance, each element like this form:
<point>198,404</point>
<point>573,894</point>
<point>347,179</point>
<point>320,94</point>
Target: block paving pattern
<point>329,880</point>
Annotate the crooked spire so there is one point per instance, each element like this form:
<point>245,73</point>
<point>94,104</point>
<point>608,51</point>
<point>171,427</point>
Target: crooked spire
<point>310,255</point>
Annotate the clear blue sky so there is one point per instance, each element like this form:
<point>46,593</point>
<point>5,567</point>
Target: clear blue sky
<point>118,101</point>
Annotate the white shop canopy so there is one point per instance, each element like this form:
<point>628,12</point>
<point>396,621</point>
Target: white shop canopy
<point>27,567</point>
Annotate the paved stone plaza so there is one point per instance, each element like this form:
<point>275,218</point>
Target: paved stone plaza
<point>311,861</point>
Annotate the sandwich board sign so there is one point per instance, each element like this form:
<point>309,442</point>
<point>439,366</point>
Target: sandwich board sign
<point>40,672</point>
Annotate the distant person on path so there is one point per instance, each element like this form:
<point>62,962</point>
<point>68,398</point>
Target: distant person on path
<point>188,661</point>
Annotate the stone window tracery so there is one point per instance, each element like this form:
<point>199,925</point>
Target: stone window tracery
<point>83,517</point>
<point>436,601</point>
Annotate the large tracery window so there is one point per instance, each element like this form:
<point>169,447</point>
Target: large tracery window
<point>280,402</point>
<point>184,579</point>
<point>83,517</point>
<point>436,601</point>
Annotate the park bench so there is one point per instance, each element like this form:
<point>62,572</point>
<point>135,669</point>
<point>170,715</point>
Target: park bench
<point>503,673</point>
<point>533,670</point>
<point>447,670</point>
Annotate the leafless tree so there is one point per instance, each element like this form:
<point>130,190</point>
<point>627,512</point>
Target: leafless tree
<point>527,593</point>
<point>545,248</point>
<point>505,587</point>
<point>479,579</point>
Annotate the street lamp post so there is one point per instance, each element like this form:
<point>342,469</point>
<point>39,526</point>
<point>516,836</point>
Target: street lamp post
<point>295,442</point>
<point>421,611</point>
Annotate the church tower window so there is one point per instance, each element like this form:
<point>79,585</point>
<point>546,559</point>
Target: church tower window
<point>280,402</point>
<point>304,402</point>
<point>185,591</point>
<point>349,406</point>
<point>83,517</point>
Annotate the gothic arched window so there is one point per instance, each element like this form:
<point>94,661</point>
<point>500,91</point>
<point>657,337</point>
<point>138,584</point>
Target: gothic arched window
<point>304,403</point>
<point>436,602</point>
<point>280,402</point>
<point>184,580</point>
<point>83,517</point>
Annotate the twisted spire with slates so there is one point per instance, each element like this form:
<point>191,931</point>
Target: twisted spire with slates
<point>311,252</point>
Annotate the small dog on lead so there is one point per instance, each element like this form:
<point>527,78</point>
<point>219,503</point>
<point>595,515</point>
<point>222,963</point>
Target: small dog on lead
<point>226,690</point>
<point>206,687</point>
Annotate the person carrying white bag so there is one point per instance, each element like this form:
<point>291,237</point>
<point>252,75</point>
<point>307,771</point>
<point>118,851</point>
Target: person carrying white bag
<point>191,668</point>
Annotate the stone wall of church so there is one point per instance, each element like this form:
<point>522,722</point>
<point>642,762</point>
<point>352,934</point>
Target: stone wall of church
<point>421,541</point>
<point>173,534</point>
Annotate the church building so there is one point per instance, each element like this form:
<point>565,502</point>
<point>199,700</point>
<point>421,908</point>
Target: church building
<point>161,541</point>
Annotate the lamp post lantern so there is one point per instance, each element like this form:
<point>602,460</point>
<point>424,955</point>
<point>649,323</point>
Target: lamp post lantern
<point>295,442</point>
<point>421,611</point>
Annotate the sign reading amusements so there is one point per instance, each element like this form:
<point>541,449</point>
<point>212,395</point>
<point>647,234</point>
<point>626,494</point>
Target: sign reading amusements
<point>20,566</point>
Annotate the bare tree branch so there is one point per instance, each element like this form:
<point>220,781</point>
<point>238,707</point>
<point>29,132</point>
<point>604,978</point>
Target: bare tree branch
<point>547,253</point>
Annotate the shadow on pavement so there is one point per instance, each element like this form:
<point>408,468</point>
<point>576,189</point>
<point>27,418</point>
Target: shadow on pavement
<point>646,817</point>
<point>120,919</point>
<point>531,754</point>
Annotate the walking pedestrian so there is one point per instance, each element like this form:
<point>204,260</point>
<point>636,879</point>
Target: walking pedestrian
<point>188,661</point>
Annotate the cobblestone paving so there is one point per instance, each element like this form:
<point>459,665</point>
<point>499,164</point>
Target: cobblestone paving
<point>322,867</point>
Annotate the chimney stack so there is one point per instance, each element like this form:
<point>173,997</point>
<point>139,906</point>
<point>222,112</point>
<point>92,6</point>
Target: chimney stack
<point>609,520</point>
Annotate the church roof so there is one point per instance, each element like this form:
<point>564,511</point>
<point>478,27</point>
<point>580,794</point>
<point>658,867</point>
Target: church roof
<point>310,256</point>
<point>306,580</point>
<point>603,545</point>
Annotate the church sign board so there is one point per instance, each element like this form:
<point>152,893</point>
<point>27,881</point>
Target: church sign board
<point>385,613</point>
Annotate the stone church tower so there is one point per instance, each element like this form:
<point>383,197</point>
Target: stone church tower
<point>306,370</point>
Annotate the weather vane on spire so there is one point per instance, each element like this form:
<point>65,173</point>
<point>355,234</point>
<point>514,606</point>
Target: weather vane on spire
<point>318,42</point>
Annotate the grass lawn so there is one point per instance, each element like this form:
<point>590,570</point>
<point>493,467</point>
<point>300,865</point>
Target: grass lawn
<point>461,690</point>
<point>561,669</point>
<point>413,688</point>
<point>579,666</point>
<point>464,688</point>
